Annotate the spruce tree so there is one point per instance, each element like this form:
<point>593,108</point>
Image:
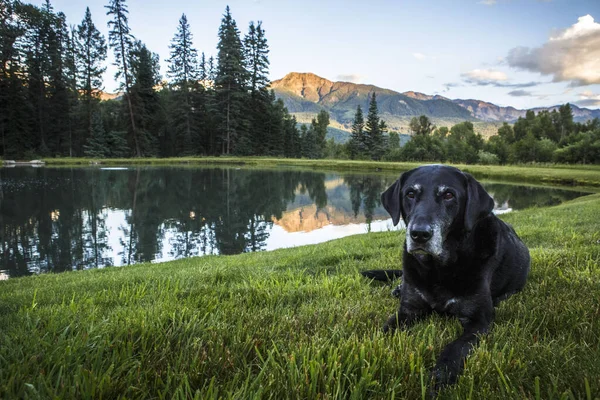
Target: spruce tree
<point>16,136</point>
<point>121,41</point>
<point>203,70</point>
<point>230,83</point>
<point>265,122</point>
<point>36,48</point>
<point>256,52</point>
<point>144,98</point>
<point>183,71</point>
<point>97,145</point>
<point>60,99</point>
<point>375,143</point>
<point>91,54</point>
<point>319,126</point>
<point>117,144</point>
<point>357,144</point>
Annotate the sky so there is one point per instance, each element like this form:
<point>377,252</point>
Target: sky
<point>521,53</point>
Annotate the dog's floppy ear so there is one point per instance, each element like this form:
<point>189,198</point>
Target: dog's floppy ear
<point>391,200</point>
<point>479,203</point>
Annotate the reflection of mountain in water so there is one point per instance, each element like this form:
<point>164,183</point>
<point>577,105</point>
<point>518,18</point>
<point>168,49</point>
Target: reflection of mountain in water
<point>345,197</point>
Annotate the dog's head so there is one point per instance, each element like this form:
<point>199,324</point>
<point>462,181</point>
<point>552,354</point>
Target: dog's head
<point>434,201</point>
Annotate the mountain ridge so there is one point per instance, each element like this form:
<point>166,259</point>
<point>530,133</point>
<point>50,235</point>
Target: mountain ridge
<point>307,93</point>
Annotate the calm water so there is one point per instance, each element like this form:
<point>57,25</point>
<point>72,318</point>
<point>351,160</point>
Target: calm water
<point>54,220</point>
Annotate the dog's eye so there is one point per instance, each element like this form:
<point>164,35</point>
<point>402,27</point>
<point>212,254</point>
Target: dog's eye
<point>448,196</point>
<point>410,195</point>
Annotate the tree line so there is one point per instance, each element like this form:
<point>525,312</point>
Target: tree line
<point>51,83</point>
<point>548,136</point>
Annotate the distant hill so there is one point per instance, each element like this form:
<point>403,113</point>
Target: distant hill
<point>305,94</point>
<point>491,112</point>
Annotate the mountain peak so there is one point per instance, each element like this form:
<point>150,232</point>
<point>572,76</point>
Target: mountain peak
<point>304,84</point>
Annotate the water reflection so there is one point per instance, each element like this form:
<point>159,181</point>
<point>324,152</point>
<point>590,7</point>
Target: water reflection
<point>64,219</point>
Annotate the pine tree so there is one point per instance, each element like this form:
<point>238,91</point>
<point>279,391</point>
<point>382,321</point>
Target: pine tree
<point>144,98</point>
<point>375,142</point>
<point>117,144</point>
<point>61,95</point>
<point>256,54</point>
<point>309,142</point>
<point>357,144</point>
<point>230,83</point>
<point>319,126</point>
<point>97,144</point>
<point>183,71</point>
<point>211,70</point>
<point>91,54</point>
<point>121,41</point>
<point>203,70</point>
<point>15,131</point>
<point>36,47</point>
<point>74,106</point>
<point>263,135</point>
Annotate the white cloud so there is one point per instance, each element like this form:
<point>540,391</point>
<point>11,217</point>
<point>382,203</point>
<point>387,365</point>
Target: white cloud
<point>492,77</point>
<point>488,2</point>
<point>419,56</point>
<point>571,54</point>
<point>354,78</point>
<point>484,76</point>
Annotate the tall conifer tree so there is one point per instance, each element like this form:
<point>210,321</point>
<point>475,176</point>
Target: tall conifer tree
<point>230,82</point>
<point>184,74</point>
<point>357,144</point>
<point>375,144</point>
<point>145,72</point>
<point>121,41</point>
<point>91,54</point>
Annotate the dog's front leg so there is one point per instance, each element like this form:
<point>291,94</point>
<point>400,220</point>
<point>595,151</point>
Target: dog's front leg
<point>411,310</point>
<point>475,324</point>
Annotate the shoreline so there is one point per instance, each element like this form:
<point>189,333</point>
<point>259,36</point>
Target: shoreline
<point>566,175</point>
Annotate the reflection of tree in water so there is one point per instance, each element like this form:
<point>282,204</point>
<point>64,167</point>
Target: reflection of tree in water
<point>42,226</point>
<point>520,197</point>
<point>59,219</point>
<point>366,190</point>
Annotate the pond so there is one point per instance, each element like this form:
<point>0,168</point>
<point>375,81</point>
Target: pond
<point>62,219</point>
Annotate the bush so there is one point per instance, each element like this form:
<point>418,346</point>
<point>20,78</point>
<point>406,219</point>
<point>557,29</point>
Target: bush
<point>393,155</point>
<point>486,158</point>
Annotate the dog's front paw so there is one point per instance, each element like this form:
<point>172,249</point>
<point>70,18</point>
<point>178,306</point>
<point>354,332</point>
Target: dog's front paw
<point>391,324</point>
<point>443,375</point>
<point>396,292</point>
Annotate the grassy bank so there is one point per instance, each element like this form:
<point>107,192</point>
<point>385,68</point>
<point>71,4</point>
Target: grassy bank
<point>301,323</point>
<point>581,175</point>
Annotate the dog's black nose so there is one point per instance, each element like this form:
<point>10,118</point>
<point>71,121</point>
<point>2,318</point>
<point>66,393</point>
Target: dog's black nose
<point>421,234</point>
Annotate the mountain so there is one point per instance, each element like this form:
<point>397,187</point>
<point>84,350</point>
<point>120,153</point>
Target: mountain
<point>305,94</point>
<point>491,112</point>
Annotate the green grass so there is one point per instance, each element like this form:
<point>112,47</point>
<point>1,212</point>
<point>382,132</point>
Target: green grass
<point>301,323</point>
<point>580,175</point>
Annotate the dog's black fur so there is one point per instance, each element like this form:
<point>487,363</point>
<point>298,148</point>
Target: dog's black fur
<point>459,259</point>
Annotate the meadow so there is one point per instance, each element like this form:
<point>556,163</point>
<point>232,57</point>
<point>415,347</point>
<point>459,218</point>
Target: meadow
<point>303,323</point>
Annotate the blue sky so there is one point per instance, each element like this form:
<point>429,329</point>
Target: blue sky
<point>524,53</point>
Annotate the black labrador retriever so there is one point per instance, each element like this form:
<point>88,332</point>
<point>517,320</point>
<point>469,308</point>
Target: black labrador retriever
<point>459,259</point>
